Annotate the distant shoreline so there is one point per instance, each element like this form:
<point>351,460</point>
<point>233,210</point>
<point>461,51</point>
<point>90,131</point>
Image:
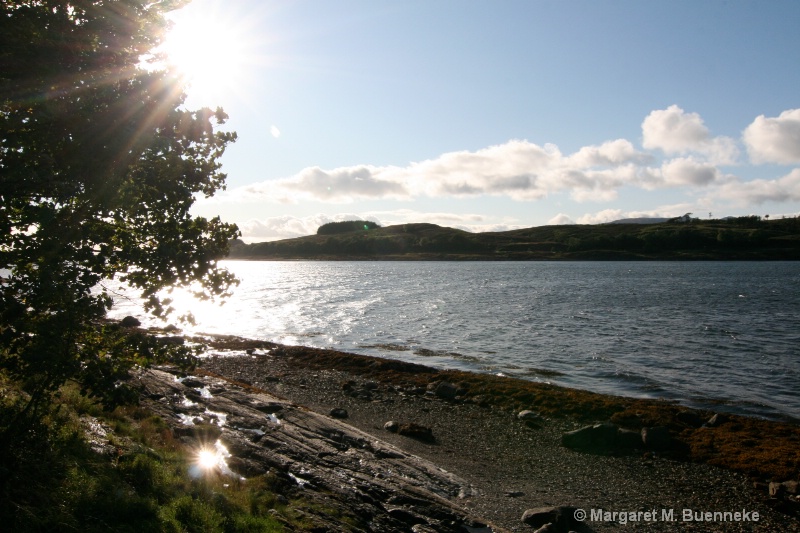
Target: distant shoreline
<point>744,239</point>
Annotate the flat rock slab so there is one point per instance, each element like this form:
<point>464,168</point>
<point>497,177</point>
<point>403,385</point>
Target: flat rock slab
<point>324,460</point>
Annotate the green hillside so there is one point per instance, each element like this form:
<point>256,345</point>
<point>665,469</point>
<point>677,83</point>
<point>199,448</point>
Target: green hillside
<point>737,238</point>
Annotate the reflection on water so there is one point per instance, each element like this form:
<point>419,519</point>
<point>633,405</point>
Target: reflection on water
<point>722,334</point>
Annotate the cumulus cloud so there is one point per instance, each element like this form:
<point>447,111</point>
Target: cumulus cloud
<point>678,152</point>
<point>517,169</point>
<point>674,131</point>
<point>774,140</point>
<point>288,227</point>
<point>757,192</point>
<point>560,220</point>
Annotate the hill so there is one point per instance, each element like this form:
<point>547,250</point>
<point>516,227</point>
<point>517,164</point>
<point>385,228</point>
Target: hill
<point>736,238</point>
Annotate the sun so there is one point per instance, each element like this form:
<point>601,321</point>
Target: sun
<point>212,49</point>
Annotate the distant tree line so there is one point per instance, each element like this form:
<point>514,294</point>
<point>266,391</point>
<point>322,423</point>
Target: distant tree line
<point>728,238</point>
<point>336,228</point>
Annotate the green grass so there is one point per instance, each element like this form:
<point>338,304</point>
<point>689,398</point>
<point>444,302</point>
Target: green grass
<point>55,481</point>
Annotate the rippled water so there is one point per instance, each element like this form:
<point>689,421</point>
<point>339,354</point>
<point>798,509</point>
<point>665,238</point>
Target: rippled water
<point>723,335</point>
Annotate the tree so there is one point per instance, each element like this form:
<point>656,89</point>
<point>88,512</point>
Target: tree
<point>335,228</point>
<point>100,164</point>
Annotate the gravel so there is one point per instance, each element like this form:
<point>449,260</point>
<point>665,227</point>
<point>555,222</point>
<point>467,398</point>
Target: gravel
<point>515,464</point>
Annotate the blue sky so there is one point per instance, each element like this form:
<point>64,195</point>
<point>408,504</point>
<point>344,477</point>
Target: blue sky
<point>494,115</point>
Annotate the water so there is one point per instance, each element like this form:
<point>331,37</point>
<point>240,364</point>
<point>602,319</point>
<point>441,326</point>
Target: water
<point>719,335</point>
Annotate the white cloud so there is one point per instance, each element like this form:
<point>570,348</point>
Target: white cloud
<point>757,192</point>
<point>275,132</point>
<point>610,215</point>
<point>288,227</point>
<point>519,170</point>
<point>560,220</point>
<point>679,154</point>
<point>688,171</point>
<point>774,140</point>
<point>673,131</point>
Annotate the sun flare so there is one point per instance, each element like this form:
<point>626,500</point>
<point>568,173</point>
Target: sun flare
<point>207,459</point>
<point>212,50</point>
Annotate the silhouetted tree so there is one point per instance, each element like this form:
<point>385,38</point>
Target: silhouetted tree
<point>100,164</point>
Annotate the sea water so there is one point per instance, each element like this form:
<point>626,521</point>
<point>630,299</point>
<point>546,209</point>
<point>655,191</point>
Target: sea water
<point>718,335</point>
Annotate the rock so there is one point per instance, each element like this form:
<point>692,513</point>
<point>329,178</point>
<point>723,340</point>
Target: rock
<point>547,528</point>
<point>391,426</point>
<point>446,390</point>
<point>130,322</point>
<point>514,493</point>
<point>657,438</point>
<point>596,438</point>
<point>416,431</point>
<point>779,489</point>
<point>716,420</point>
<point>629,439</point>
<point>528,415</point>
<point>338,412</point>
<point>690,418</point>
<point>372,481</point>
<point>558,518</point>
<point>776,489</point>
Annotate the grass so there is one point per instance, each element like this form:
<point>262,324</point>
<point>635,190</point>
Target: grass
<point>57,482</point>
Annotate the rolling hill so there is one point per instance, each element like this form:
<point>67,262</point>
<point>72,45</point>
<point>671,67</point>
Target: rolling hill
<point>735,238</point>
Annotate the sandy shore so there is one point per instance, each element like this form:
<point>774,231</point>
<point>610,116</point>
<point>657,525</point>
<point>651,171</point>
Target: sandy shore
<point>517,465</point>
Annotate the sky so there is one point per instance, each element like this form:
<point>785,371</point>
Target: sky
<point>497,115</point>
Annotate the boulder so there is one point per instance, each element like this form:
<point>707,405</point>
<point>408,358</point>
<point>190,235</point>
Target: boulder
<point>657,438</point>
<point>597,438</point>
<point>555,518</point>
<point>446,390</point>
<point>339,412</point>
<point>416,431</point>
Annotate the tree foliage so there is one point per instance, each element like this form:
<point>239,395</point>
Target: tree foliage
<point>100,163</point>
<point>334,228</point>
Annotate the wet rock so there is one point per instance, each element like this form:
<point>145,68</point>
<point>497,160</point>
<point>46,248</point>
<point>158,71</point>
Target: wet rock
<point>304,453</point>
<point>130,322</point>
